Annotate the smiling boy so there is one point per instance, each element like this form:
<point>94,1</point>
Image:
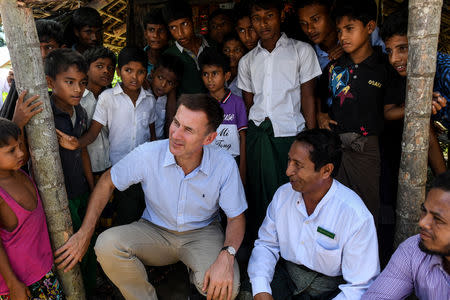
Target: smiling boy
<point>277,79</point>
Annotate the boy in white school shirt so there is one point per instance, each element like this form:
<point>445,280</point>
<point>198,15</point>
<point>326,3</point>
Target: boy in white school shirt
<point>277,79</point>
<point>322,230</point>
<point>129,113</point>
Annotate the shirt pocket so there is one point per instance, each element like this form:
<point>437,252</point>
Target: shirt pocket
<point>143,119</point>
<point>327,259</point>
<point>288,76</point>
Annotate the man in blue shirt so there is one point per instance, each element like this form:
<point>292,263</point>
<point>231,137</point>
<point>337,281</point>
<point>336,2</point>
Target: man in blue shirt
<point>185,182</point>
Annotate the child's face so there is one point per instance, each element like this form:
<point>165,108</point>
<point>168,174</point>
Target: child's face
<point>47,47</point>
<point>234,50</point>
<point>267,23</point>
<point>133,75</point>
<point>247,33</point>
<point>101,72</point>
<point>219,27</point>
<point>214,78</point>
<point>163,81</point>
<point>11,157</point>
<point>315,22</point>
<point>69,85</point>
<point>156,36</point>
<point>182,31</point>
<point>397,50</point>
<point>352,34</point>
<point>89,36</point>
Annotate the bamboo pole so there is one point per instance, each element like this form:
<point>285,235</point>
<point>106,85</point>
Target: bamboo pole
<point>23,46</point>
<point>423,33</point>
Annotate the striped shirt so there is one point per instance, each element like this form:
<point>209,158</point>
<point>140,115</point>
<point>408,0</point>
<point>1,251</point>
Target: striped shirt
<point>411,270</point>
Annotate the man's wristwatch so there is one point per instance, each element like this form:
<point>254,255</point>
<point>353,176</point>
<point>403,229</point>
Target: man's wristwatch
<point>230,250</point>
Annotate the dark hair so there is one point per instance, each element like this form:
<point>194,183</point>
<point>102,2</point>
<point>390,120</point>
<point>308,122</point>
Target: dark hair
<point>266,4</point>
<point>303,3</point>
<point>395,24</point>
<point>128,54</point>
<point>220,12</point>
<point>241,10</point>
<point>86,16</point>
<point>442,181</point>
<point>92,54</point>
<point>175,10</point>
<point>153,17</point>
<point>50,30</point>
<point>232,36</point>
<point>210,57</point>
<point>326,148</point>
<point>59,60</point>
<point>206,104</point>
<point>171,63</point>
<point>361,10</point>
<point>8,129</point>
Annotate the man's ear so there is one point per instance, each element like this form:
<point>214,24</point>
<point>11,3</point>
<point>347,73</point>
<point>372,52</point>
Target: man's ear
<point>50,82</point>
<point>76,32</point>
<point>371,25</point>
<point>327,170</point>
<point>282,15</point>
<point>227,76</point>
<point>210,138</point>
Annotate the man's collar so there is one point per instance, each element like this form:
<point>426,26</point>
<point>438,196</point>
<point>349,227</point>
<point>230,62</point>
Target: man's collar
<point>282,41</point>
<point>203,44</point>
<point>205,164</point>
<point>329,195</point>
<point>371,61</point>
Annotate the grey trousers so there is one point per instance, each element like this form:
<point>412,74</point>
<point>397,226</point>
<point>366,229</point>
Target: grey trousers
<point>123,252</point>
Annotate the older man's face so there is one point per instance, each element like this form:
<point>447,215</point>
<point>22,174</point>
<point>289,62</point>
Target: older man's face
<point>188,133</point>
<point>435,223</point>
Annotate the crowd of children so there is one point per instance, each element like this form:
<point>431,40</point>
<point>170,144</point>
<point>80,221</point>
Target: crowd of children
<point>346,77</point>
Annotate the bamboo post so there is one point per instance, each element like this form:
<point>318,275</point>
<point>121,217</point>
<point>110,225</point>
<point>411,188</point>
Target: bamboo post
<point>423,33</point>
<point>23,46</point>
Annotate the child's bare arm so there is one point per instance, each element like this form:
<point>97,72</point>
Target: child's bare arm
<point>248,100</point>
<point>87,168</point>
<point>17,289</point>
<point>152,132</point>
<point>171,109</point>
<point>71,143</point>
<point>242,156</point>
<point>394,112</point>
<point>309,102</point>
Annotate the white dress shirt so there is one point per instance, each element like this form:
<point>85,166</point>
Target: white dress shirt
<point>275,79</point>
<point>98,149</point>
<point>289,231</point>
<point>128,125</point>
<point>177,201</point>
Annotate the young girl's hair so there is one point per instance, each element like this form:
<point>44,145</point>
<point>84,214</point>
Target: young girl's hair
<point>8,130</point>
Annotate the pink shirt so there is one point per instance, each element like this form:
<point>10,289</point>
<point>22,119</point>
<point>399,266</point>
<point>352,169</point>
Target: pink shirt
<point>28,245</point>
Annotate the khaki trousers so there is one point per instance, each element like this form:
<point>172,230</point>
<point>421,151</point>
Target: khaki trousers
<point>124,250</point>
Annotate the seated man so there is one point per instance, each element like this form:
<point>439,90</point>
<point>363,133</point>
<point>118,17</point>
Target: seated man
<point>185,183</point>
<point>421,264</point>
<point>325,234</point>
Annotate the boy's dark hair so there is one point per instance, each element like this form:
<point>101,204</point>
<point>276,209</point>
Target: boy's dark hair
<point>92,54</point>
<point>325,148</point>
<point>175,10</point>
<point>442,182</point>
<point>220,12</point>
<point>50,30</point>
<point>395,24</point>
<point>171,63</point>
<point>303,3</point>
<point>210,57</point>
<point>361,10</point>
<point>206,104</point>
<point>128,54</point>
<point>266,4</point>
<point>241,10</point>
<point>86,16</point>
<point>232,36</point>
<point>8,129</point>
<point>153,17</point>
<point>59,60</point>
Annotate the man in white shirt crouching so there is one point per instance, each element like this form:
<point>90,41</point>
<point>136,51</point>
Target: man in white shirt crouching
<point>325,234</point>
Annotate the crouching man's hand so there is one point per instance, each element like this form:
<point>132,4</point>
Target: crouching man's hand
<point>218,281</point>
